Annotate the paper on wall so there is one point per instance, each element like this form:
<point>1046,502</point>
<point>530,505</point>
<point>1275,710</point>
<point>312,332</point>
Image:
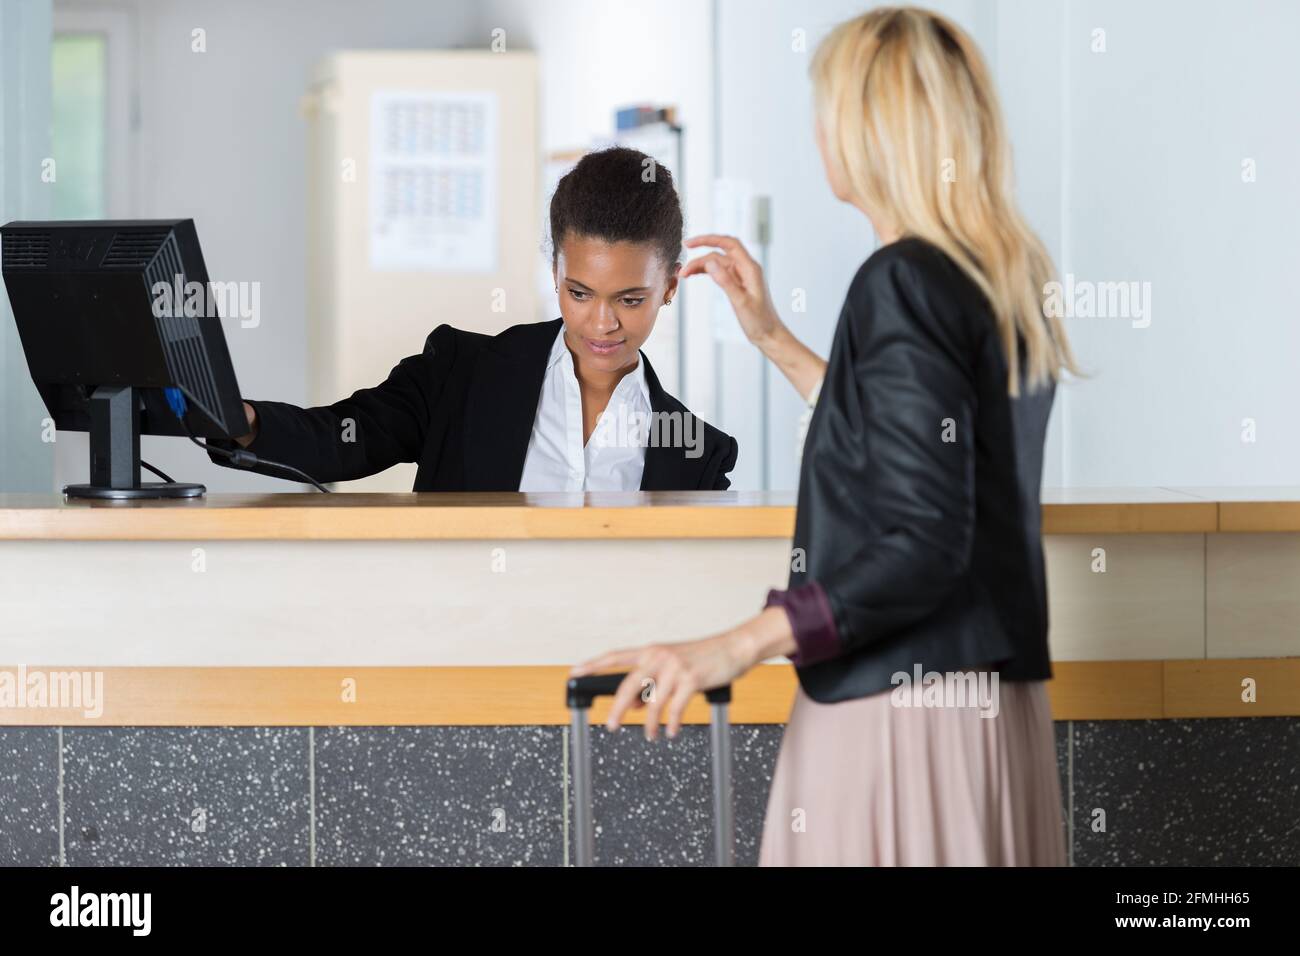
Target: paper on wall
<point>433,181</point>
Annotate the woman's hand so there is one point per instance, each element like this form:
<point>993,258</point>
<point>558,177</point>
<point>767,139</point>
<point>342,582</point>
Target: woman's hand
<point>664,677</point>
<point>250,413</point>
<point>741,278</point>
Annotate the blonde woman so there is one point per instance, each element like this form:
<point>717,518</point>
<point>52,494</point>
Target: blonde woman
<point>918,508</point>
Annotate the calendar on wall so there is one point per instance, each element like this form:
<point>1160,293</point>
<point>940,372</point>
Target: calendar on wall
<point>433,168</point>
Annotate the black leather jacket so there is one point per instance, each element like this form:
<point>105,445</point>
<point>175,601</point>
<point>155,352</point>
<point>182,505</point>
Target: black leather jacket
<point>919,490</point>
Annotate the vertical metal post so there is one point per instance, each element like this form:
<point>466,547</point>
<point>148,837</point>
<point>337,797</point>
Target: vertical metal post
<point>724,841</point>
<point>763,237</point>
<point>584,832</point>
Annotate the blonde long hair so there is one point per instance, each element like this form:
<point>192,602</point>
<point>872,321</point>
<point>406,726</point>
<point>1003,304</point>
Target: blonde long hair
<point>910,117</point>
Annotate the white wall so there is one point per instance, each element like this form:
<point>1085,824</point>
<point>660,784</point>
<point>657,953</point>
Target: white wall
<point>1129,165</point>
<point>1157,128</point>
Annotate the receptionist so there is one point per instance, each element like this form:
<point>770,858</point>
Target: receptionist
<point>565,405</point>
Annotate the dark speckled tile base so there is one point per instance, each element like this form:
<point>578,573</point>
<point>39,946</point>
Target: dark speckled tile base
<point>1175,792</point>
<point>422,796</point>
<point>1062,730</point>
<point>29,796</point>
<point>1188,792</point>
<point>654,800</point>
<point>754,749</point>
<point>186,796</point>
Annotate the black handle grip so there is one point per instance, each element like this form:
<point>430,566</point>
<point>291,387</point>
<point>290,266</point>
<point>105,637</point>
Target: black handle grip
<point>581,691</point>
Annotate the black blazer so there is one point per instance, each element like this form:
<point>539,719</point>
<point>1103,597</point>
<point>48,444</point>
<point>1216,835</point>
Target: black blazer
<point>464,410</point>
<point>919,488</point>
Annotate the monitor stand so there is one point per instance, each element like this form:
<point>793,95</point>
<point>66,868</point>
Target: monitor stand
<point>115,452</point>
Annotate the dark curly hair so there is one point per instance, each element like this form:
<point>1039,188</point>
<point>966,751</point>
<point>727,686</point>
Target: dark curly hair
<point>618,195</point>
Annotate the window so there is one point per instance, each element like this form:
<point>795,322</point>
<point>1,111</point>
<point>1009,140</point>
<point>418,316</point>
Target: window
<point>77,126</point>
<point>92,139</point>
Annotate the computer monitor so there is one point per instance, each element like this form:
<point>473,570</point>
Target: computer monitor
<point>118,324</point>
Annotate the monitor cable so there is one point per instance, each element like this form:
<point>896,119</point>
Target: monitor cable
<point>148,467</point>
<point>237,457</point>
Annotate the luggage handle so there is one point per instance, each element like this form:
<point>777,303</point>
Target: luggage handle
<point>580,692</point>
<point>578,696</point>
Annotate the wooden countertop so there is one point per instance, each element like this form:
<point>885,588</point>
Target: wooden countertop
<point>501,696</point>
<point>632,515</point>
<point>424,516</point>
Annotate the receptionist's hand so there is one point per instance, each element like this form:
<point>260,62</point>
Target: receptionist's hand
<point>664,677</point>
<point>250,413</point>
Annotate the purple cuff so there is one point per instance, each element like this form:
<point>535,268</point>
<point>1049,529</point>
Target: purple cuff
<point>812,621</point>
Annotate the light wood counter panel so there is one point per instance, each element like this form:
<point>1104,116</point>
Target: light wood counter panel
<point>405,580</point>
<point>528,602</point>
<point>1255,516</point>
<point>1107,690</point>
<point>1187,517</point>
<point>377,603</point>
<point>389,517</point>
<point>512,516</point>
<point>1215,688</point>
<point>502,696</point>
<point>1253,595</point>
<point>1148,603</point>
<point>1253,508</point>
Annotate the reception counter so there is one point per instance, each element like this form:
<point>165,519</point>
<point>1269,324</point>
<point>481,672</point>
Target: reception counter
<point>467,609</point>
<point>376,679</point>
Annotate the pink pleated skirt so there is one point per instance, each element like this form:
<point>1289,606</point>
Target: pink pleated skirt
<point>867,783</point>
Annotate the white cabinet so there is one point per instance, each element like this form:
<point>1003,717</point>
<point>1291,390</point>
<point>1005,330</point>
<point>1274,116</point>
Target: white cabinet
<point>423,210</point>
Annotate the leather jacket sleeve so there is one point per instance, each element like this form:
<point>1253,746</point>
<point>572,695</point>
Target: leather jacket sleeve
<point>914,386</point>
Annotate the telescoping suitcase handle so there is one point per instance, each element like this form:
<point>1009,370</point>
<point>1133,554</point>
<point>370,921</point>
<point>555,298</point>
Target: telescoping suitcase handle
<point>579,695</point>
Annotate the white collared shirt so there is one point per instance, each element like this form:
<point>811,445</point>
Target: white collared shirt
<point>613,459</point>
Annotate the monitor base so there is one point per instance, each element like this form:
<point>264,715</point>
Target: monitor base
<point>146,489</point>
